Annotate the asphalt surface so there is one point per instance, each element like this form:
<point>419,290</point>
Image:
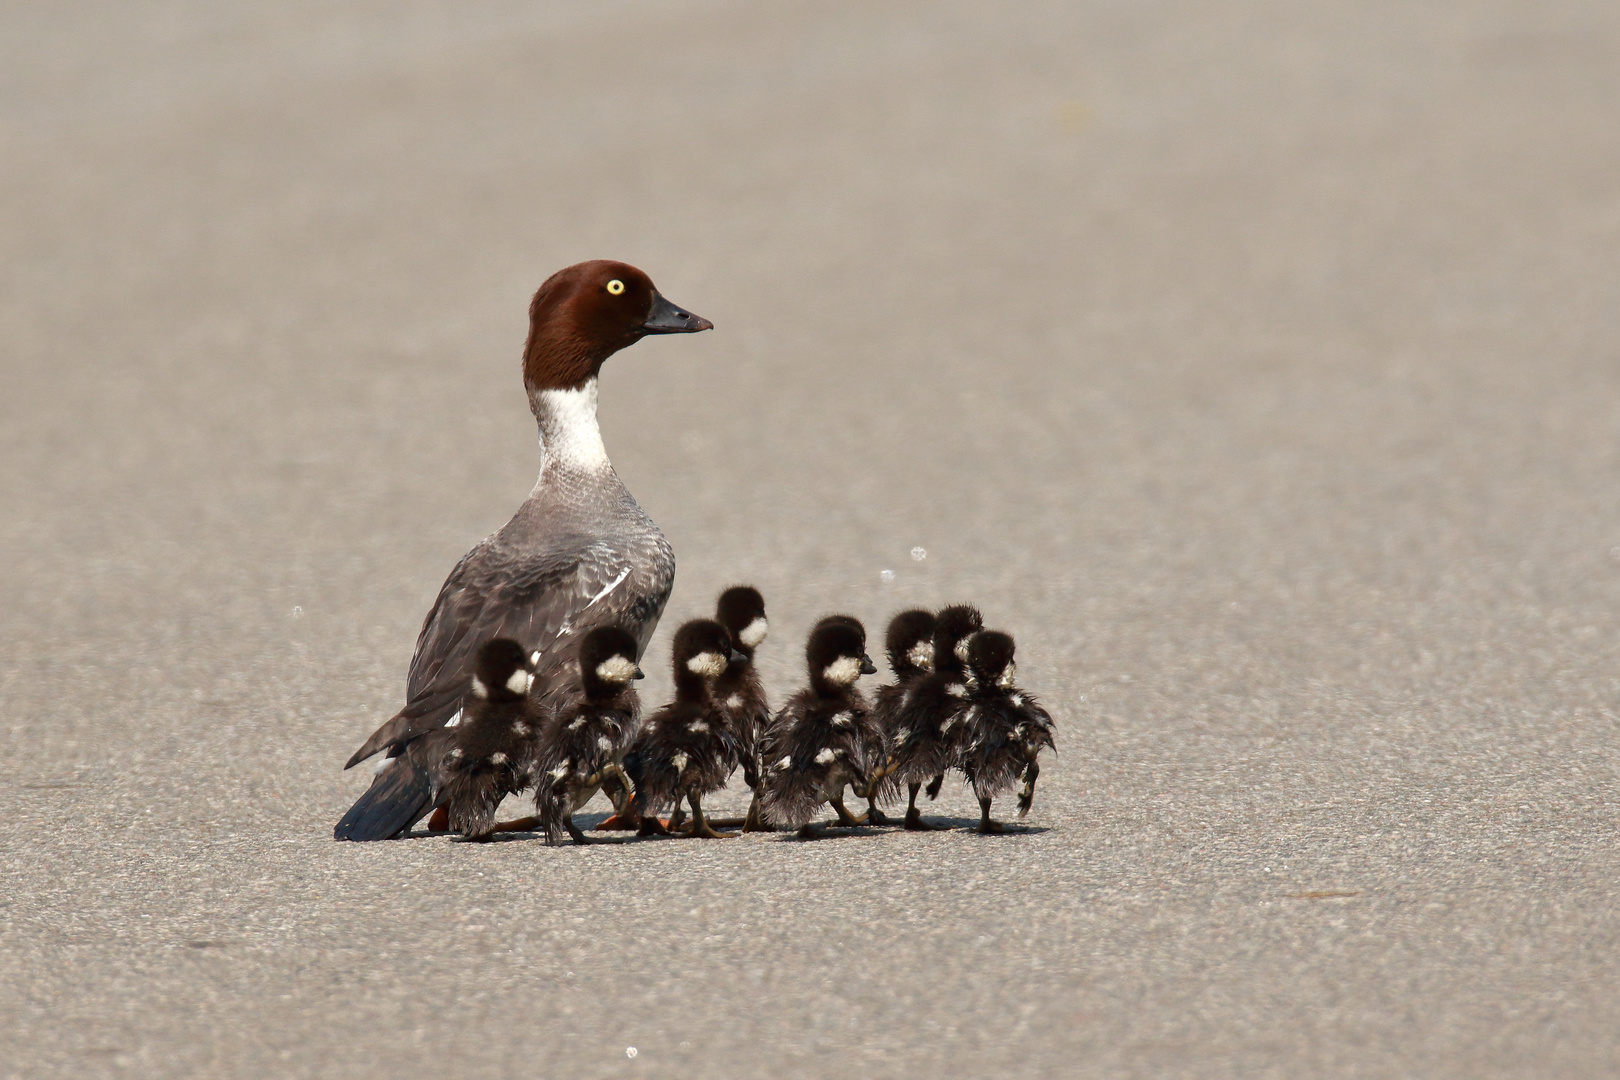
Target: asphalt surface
<point>1254,363</point>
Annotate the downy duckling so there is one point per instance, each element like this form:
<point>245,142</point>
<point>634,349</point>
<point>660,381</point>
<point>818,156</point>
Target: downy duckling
<point>1004,728</point>
<point>584,744</point>
<point>686,750</point>
<point>740,693</point>
<point>468,769</point>
<point>817,745</point>
<point>909,644</point>
<point>924,743</point>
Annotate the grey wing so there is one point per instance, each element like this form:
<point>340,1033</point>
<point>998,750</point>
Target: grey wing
<point>538,603</point>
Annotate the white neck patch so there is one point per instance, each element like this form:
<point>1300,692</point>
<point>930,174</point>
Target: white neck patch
<point>710,665</point>
<point>842,671</point>
<point>922,655</point>
<point>754,633</point>
<point>569,436</point>
<point>617,669</point>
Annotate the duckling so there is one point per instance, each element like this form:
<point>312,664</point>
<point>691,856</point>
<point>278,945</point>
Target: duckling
<point>909,644</point>
<point>583,745</point>
<point>687,748</point>
<point>925,744</point>
<point>818,743</point>
<point>1004,728</point>
<point>739,693</point>
<point>468,769</point>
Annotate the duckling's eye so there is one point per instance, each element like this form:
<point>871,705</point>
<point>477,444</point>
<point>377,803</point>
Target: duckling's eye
<point>615,287</point>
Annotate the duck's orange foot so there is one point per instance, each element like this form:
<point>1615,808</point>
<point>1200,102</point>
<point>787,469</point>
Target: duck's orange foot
<point>620,823</point>
<point>440,821</point>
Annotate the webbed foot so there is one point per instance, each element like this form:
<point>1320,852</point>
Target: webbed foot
<point>915,823</point>
<point>522,824</point>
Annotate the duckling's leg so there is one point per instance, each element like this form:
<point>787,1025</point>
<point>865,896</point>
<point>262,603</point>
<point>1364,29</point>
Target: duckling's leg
<point>1026,794</point>
<point>934,785</point>
<point>753,822</point>
<point>874,816</point>
<point>985,824</point>
<point>914,821</point>
<point>700,827</point>
<point>845,818</point>
<point>866,788</point>
<point>618,788</point>
<point>573,830</point>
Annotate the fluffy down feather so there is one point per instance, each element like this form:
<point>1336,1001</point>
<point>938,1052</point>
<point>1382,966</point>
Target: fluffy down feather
<point>926,729</point>
<point>814,747</point>
<point>683,748</point>
<point>1004,730</point>
<point>578,746</point>
<point>469,769</point>
<point>739,699</point>
<point>887,705</point>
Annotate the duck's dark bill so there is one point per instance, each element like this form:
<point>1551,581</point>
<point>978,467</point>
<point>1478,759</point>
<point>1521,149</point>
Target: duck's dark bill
<point>666,318</point>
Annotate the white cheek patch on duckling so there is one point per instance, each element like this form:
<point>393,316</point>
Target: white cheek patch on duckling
<point>698,727</point>
<point>842,671</point>
<point>479,689</point>
<point>617,669</point>
<point>922,655</point>
<point>826,756</point>
<point>753,635</point>
<point>707,664</point>
<point>679,760</point>
<point>1005,679</point>
<point>518,683</point>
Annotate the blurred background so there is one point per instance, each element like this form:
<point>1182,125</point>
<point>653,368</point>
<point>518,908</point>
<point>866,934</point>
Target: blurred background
<point>1253,363</point>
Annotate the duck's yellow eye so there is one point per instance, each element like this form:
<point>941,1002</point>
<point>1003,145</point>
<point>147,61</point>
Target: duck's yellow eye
<point>615,286</point>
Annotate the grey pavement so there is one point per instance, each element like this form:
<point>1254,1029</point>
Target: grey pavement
<point>1254,363</point>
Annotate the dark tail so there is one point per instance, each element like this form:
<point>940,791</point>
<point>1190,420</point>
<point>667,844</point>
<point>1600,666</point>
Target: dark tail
<point>399,797</point>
